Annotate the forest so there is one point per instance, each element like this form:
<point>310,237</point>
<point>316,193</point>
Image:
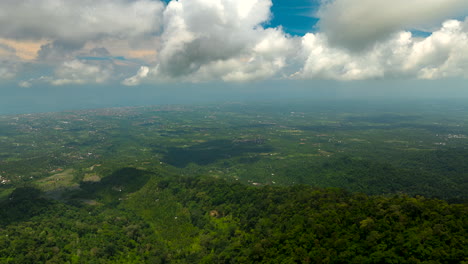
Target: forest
<point>236,183</point>
<point>157,217</point>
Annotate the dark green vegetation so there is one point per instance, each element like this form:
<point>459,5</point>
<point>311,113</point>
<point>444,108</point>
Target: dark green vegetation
<point>173,219</point>
<point>310,182</point>
<point>412,147</point>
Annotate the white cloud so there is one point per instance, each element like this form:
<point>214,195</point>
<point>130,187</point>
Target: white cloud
<point>443,54</point>
<point>226,40</point>
<point>357,24</point>
<point>136,79</point>
<point>62,28</point>
<point>219,40</point>
<point>325,62</point>
<point>76,20</point>
<point>222,40</point>
<point>79,72</point>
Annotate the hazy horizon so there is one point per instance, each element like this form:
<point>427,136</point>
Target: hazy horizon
<point>90,54</point>
<point>52,99</point>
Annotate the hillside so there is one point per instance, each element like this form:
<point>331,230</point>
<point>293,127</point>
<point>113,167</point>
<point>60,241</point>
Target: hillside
<point>135,216</point>
<point>411,148</point>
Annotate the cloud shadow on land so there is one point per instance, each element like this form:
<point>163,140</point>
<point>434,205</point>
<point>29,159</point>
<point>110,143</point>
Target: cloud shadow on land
<point>120,182</point>
<point>212,151</point>
<point>22,204</point>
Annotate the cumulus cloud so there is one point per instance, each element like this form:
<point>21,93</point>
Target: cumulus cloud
<point>80,72</point>
<point>325,62</point>
<point>136,79</point>
<point>198,31</point>
<point>55,32</point>
<point>75,20</point>
<point>96,41</point>
<point>443,54</point>
<point>357,24</point>
<point>220,40</point>
<point>225,40</point>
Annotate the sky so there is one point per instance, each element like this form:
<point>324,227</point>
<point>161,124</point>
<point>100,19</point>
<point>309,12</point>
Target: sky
<point>53,48</point>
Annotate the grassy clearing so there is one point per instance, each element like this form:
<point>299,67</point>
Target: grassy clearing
<point>57,181</point>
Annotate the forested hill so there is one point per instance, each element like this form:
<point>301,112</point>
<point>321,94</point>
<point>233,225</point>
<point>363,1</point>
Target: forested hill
<point>135,216</point>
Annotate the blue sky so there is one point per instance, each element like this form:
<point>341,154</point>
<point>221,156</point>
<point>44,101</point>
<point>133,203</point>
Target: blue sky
<point>296,17</point>
<point>78,45</point>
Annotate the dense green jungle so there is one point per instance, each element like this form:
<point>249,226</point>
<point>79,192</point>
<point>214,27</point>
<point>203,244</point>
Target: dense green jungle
<point>337,181</point>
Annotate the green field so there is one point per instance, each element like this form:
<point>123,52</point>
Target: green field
<point>305,182</point>
<point>417,148</point>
